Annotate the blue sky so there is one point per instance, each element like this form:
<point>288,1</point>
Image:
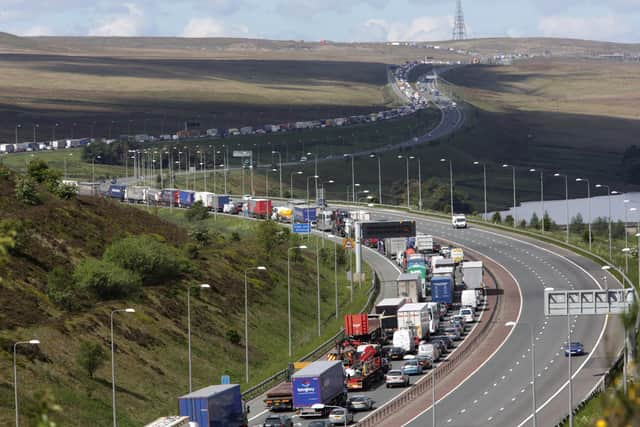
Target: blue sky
<point>338,20</point>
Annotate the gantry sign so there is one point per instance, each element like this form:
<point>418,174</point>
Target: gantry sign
<point>587,302</point>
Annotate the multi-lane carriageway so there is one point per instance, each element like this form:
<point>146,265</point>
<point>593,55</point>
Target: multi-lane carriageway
<point>498,391</point>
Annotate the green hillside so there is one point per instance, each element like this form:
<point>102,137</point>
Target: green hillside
<point>75,260</point>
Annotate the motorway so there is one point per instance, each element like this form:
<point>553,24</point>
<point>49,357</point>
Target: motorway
<point>499,391</point>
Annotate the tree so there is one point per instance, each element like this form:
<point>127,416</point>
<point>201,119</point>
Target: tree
<point>270,235</point>
<point>65,191</point>
<point>200,235</point>
<point>508,220</point>
<point>90,357</point>
<point>496,218</point>
<point>197,212</point>
<point>26,191</point>
<point>534,222</point>
<point>577,224</point>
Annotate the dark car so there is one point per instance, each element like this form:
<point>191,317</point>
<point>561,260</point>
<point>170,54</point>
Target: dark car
<point>446,340</point>
<point>278,421</point>
<point>395,353</point>
<point>574,349</point>
<point>441,345</point>
<point>320,423</point>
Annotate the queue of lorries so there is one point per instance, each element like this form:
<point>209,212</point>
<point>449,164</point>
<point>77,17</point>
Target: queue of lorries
<point>418,327</point>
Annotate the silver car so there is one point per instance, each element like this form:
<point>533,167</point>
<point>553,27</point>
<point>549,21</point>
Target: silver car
<point>360,403</point>
<point>341,416</point>
<point>396,377</point>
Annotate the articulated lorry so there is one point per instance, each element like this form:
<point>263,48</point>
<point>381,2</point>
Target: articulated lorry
<point>215,406</point>
<point>322,383</point>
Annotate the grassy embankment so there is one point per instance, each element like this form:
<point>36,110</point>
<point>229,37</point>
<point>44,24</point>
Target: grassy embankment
<point>151,356</point>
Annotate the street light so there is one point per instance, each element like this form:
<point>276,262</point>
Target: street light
<point>93,168</point>
<point>113,364</point>
<point>15,374</point>
<point>450,181</point>
<point>484,177</point>
<point>609,199</point>
<point>353,175</point>
<point>589,202</point>
<point>18,126</point>
<point>541,196</point>
<point>515,209</point>
<point>202,286</point>
<point>331,181</point>
<point>246,319</point>
<point>335,269</point>
<point>294,173</point>
<point>289,294</point>
<point>626,236</point>
<point>280,168</point>
<point>407,158</point>
<point>533,366</point>
<point>377,156</point>
<point>315,172</point>
<point>566,195</point>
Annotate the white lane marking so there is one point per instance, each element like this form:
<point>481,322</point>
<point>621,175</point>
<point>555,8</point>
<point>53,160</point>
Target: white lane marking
<point>259,415</point>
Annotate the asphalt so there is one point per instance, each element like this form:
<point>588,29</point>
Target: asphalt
<point>500,392</point>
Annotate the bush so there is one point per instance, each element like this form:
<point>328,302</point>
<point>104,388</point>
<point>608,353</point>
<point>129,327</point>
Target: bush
<point>269,236</point>
<point>152,260</point>
<point>192,250</point>
<point>197,212</point>
<point>233,336</point>
<point>60,289</point>
<point>535,221</point>
<point>90,357</point>
<point>508,220</point>
<point>496,218</point>
<point>235,236</point>
<point>105,280</point>
<point>65,191</point>
<point>200,235</point>
<point>26,191</point>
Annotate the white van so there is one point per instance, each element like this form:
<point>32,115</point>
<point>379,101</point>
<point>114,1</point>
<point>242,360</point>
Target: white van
<point>404,338</point>
<point>459,221</point>
<point>434,317</point>
<point>429,350</point>
<point>469,298</point>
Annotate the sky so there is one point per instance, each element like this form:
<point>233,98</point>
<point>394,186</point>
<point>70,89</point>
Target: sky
<point>335,20</point>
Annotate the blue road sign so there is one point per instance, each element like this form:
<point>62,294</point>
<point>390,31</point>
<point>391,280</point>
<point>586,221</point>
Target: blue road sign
<point>225,379</point>
<point>301,227</point>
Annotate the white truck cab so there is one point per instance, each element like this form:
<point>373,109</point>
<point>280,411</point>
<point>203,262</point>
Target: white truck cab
<point>459,221</point>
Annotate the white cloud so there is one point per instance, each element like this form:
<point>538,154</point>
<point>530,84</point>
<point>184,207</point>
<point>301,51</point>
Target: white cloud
<point>130,23</point>
<point>309,8</point>
<point>422,28</point>
<point>38,30</point>
<point>607,27</point>
<point>210,27</point>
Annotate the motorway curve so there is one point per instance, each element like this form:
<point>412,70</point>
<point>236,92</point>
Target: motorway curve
<point>498,393</point>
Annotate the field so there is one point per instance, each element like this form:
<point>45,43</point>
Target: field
<point>151,356</point>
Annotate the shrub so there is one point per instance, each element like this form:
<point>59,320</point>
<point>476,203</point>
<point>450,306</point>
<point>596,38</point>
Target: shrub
<point>200,235</point>
<point>65,191</point>
<point>90,357</point>
<point>235,236</point>
<point>105,280</point>
<point>535,221</point>
<point>60,289</point>
<point>197,212</point>
<point>508,220</point>
<point>154,261</point>
<point>233,336</point>
<point>26,191</point>
<point>192,250</point>
<point>496,218</point>
<point>269,236</point>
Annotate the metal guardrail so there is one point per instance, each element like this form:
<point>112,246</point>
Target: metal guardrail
<point>423,385</point>
<point>319,351</point>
